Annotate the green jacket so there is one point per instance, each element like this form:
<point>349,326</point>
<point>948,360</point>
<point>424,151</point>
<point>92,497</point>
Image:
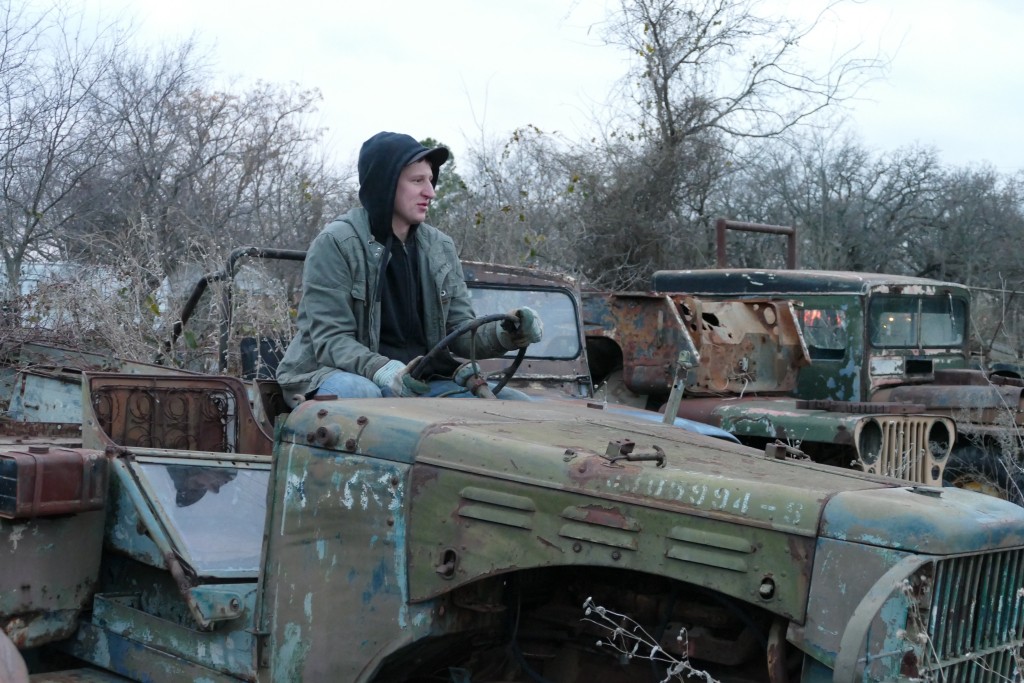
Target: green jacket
<point>339,315</point>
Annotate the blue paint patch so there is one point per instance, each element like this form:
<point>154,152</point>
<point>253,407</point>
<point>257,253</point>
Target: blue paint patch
<point>378,582</point>
<point>291,655</point>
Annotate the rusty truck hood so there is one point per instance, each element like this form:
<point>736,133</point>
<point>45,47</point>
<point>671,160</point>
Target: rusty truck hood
<point>468,489</point>
<point>562,446</point>
<point>565,448</point>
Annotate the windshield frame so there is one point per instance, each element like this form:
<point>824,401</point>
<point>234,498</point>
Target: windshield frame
<point>912,334</point>
<point>556,328</point>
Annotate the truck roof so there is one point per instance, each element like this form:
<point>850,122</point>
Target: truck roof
<point>748,281</point>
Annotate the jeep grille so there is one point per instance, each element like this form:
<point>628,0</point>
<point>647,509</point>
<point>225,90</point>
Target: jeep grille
<point>909,447</point>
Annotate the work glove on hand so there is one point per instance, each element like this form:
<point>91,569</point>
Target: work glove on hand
<point>465,373</point>
<point>394,380</point>
<point>529,329</point>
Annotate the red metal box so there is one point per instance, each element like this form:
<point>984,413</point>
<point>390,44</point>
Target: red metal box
<point>38,481</point>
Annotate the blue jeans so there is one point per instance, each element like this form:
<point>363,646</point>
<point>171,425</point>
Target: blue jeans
<point>349,385</point>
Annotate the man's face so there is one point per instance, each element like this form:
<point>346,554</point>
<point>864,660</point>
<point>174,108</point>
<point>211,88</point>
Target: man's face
<point>413,194</point>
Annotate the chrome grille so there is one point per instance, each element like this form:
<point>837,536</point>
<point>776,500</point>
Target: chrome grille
<point>976,618</point>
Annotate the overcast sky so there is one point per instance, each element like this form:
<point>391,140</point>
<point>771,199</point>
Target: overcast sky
<point>457,69</point>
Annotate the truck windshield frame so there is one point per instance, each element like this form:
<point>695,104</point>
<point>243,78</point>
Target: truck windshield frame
<point>557,309</point>
<point>187,495</point>
<point>917,322</point>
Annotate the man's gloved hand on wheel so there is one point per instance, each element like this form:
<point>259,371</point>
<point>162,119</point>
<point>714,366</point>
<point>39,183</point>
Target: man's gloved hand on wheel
<point>529,329</point>
<point>394,379</point>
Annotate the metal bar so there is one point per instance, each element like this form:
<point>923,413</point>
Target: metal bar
<point>724,224</point>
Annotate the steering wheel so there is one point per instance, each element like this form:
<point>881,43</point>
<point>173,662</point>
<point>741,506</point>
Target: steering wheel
<point>470,327</point>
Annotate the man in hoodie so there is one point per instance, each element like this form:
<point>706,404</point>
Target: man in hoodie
<point>380,288</point>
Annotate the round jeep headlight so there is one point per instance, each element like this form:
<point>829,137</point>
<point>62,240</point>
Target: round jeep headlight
<point>940,440</point>
<point>869,443</point>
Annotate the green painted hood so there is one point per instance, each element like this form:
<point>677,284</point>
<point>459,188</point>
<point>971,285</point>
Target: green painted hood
<point>470,489</point>
<point>562,447</point>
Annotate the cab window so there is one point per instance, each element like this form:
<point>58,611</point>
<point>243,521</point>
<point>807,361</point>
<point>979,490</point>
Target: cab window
<point>824,332</point>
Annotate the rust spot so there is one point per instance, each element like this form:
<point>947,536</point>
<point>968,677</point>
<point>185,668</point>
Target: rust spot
<point>421,478</point>
<point>609,517</point>
<point>909,665</point>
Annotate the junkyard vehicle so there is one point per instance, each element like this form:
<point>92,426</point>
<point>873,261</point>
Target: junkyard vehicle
<point>554,369</point>
<point>738,362</point>
<point>200,532</point>
<point>887,340</point>
<point>480,540</point>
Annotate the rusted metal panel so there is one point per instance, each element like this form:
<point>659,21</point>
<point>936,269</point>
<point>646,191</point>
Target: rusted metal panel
<point>40,481</point>
<point>648,329</point>
<point>24,434</point>
<point>968,376</point>
<point>226,651</point>
<point>123,653</point>
<point>750,346</point>
<point>737,347</point>
<point>45,357</point>
<point>190,413</point>
<point>42,383</point>
<point>50,570</point>
<point>46,396</point>
<point>336,594</point>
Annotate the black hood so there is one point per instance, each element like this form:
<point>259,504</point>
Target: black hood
<point>381,160</point>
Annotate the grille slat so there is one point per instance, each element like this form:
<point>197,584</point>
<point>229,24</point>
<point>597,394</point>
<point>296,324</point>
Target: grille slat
<point>969,603</point>
<point>976,618</point>
<point>939,626</point>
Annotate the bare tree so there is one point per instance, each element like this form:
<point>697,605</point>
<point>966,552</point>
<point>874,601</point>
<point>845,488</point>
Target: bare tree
<point>196,169</point>
<point>49,143</point>
<point>722,65</point>
<point>854,211</point>
<point>515,201</point>
<point>979,216</point>
<point>707,74</point>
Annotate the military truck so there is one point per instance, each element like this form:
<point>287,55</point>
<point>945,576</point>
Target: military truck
<point>741,360</point>
<point>555,368</point>
<point>479,540</point>
<point>202,532</point>
<point>887,340</point>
